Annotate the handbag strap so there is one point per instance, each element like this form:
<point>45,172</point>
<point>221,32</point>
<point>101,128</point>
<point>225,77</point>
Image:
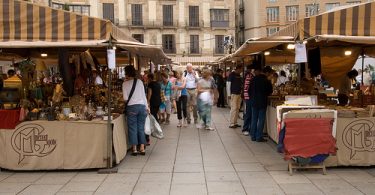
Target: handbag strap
<point>131,92</point>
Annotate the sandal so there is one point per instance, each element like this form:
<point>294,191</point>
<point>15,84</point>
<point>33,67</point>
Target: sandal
<point>142,152</point>
<point>134,153</point>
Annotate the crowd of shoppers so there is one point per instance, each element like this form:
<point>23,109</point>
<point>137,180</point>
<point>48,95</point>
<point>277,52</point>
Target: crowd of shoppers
<point>191,95</point>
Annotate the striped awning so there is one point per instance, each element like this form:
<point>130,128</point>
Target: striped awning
<point>357,20</point>
<point>26,24</point>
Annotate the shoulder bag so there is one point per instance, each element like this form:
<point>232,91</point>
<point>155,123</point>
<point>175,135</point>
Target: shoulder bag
<point>131,94</point>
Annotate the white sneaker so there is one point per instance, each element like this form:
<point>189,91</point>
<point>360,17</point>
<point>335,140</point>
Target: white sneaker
<point>184,123</point>
<point>246,133</point>
<point>210,128</point>
<point>179,123</point>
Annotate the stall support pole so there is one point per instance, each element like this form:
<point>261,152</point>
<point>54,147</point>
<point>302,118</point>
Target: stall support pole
<point>363,65</point>
<point>299,79</point>
<point>109,168</point>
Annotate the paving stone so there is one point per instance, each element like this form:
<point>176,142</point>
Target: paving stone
<point>41,189</point>
<point>13,187</point>
<point>249,167</point>
<point>221,176</point>
<point>257,179</point>
<point>271,190</point>
<point>282,177</point>
<point>225,187</point>
<point>188,178</point>
<point>56,178</point>
<point>300,188</point>
<point>188,189</point>
<point>82,186</point>
<point>151,188</point>
<point>23,177</point>
<point>188,168</point>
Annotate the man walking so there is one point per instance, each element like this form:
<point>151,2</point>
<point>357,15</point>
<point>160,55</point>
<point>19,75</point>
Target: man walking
<point>247,116</point>
<point>235,97</point>
<point>260,89</point>
<point>191,86</point>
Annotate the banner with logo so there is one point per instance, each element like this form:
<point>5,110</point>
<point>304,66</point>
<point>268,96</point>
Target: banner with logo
<point>46,145</point>
<point>356,141</point>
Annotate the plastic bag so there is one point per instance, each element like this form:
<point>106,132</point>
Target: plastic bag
<point>156,130</point>
<point>148,125</point>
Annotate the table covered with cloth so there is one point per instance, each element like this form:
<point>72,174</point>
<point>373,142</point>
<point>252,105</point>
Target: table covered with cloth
<point>48,145</point>
<point>9,119</point>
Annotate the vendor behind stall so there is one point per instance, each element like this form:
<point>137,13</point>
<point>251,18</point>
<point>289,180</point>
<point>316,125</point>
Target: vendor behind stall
<point>346,86</point>
<point>98,80</point>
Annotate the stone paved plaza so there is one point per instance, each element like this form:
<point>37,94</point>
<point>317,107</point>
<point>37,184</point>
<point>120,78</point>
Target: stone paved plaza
<point>195,162</point>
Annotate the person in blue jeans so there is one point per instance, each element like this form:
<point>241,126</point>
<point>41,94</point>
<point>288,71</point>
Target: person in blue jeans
<point>246,96</point>
<point>260,89</point>
<point>136,111</point>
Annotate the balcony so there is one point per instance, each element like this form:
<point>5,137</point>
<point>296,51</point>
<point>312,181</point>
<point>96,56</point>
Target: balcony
<point>191,24</point>
<point>150,24</point>
<point>195,51</point>
<point>219,24</point>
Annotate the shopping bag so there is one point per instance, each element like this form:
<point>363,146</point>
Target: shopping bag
<point>148,125</point>
<point>156,130</point>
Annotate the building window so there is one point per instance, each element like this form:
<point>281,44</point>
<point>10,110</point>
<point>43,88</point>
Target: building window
<point>168,15</point>
<point>138,37</point>
<point>137,19</point>
<point>292,13</point>
<point>311,10</point>
<point>272,14</point>
<point>108,12</point>
<point>194,16</point>
<point>169,44</point>
<point>271,30</point>
<point>330,6</point>
<point>219,44</point>
<point>81,9</point>
<point>219,18</point>
<point>353,2</point>
<point>194,44</point>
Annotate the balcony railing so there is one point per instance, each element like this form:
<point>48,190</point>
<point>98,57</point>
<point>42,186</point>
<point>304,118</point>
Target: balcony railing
<point>169,50</point>
<point>152,24</point>
<point>195,50</point>
<point>220,24</point>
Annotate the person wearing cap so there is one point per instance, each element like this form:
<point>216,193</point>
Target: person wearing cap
<point>191,87</point>
<point>235,80</point>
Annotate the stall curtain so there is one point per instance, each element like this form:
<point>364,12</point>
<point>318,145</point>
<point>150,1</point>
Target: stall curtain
<point>335,64</point>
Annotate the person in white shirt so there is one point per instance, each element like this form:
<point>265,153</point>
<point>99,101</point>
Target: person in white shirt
<point>282,79</point>
<point>191,87</point>
<point>98,80</point>
<point>136,110</point>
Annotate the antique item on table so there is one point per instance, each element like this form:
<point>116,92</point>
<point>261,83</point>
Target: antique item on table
<point>57,94</point>
<point>99,111</point>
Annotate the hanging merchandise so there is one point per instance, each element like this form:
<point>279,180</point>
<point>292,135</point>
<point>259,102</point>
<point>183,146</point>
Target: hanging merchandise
<point>301,54</point>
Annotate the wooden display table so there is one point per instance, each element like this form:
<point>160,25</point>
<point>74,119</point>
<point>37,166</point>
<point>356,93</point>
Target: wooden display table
<point>48,145</point>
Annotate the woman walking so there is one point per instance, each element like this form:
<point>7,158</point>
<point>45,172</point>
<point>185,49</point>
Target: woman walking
<point>205,99</point>
<point>166,105</point>
<point>181,99</point>
<point>136,109</point>
<point>153,98</point>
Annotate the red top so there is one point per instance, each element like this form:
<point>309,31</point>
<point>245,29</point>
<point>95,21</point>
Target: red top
<point>9,119</point>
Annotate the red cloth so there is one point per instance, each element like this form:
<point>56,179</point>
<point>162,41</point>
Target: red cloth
<point>308,137</point>
<point>9,119</point>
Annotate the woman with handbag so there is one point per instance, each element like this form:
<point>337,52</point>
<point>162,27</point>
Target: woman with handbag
<point>181,98</point>
<point>136,110</point>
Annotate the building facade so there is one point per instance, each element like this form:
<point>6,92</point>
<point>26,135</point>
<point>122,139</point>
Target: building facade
<point>260,18</point>
<point>197,31</point>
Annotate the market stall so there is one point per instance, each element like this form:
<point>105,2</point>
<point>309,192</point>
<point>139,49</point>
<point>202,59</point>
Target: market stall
<point>334,41</point>
<point>67,97</point>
